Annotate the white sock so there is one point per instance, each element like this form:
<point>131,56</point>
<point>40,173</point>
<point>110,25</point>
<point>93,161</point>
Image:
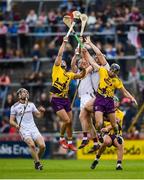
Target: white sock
<point>69,142</point>
<point>62,138</point>
<point>95,143</point>
<point>84,138</point>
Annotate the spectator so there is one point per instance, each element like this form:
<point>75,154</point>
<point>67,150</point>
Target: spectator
<point>110,51</point>
<point>5,127</point>
<point>19,53</point>
<point>52,51</point>
<point>9,54</point>
<point>129,48</point>
<point>91,18</point>
<point>35,57</point>
<point>31,19</point>
<point>134,77</point>
<point>135,15</point>
<point>4,82</point>
<point>49,115</point>
<point>9,102</point>
<point>3,32</point>
<point>23,30</point>
<point>119,49</point>
<point>42,17</point>
<point>12,28</point>
<point>1,53</point>
<point>52,20</point>
<point>130,112</point>
<point>39,28</point>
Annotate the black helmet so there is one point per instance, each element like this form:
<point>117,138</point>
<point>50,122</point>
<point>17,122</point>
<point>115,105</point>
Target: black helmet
<point>19,92</point>
<point>115,68</point>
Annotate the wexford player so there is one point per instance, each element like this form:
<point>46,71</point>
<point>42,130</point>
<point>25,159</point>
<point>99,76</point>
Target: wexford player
<point>59,96</point>
<point>110,139</point>
<point>27,129</point>
<point>104,102</point>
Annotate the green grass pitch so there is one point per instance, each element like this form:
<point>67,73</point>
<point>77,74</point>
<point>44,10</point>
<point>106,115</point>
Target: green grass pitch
<point>70,169</point>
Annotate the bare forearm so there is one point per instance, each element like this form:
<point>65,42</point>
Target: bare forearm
<point>61,49</point>
<point>127,94</point>
<point>96,50</point>
<point>93,63</point>
<point>13,123</point>
<point>73,64</point>
<point>60,53</point>
<point>81,74</point>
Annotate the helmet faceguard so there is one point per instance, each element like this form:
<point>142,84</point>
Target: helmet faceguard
<point>63,64</point>
<point>23,94</point>
<point>115,68</point>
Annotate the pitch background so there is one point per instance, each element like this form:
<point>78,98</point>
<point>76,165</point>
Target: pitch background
<point>70,169</point>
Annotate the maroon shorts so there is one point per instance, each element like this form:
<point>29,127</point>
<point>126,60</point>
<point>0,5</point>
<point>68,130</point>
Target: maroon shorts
<point>104,104</point>
<point>61,103</point>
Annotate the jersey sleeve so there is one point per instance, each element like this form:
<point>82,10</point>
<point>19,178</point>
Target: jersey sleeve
<point>72,75</point>
<point>12,111</point>
<point>102,71</point>
<point>34,109</point>
<point>107,66</point>
<point>56,68</point>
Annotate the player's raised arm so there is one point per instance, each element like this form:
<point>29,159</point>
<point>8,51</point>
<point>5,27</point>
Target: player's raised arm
<point>81,74</point>
<point>128,95</point>
<point>60,52</point>
<point>90,59</point>
<point>99,54</point>
<point>74,67</point>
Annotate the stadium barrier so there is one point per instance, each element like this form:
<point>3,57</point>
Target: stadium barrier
<point>13,147</point>
<point>133,149</point>
<point>18,149</point>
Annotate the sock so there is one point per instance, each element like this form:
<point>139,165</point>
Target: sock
<point>69,140</point>
<point>119,162</point>
<point>85,136</point>
<point>37,163</point>
<point>95,141</point>
<point>97,157</point>
<point>62,138</point>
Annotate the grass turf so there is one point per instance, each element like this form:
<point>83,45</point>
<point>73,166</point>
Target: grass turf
<point>70,169</point>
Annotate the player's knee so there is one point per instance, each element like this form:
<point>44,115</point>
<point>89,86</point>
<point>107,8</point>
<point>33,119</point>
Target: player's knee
<point>42,147</point>
<point>67,120</point>
<point>107,142</point>
<point>31,146</point>
<point>99,124</point>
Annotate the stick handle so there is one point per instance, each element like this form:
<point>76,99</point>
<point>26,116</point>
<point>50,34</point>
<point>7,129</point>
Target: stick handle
<point>78,40</point>
<point>71,28</point>
<point>75,94</point>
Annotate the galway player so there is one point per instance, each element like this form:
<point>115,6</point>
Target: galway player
<point>27,128</point>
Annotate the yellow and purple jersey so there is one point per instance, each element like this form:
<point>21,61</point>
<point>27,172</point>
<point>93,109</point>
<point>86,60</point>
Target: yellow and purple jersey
<point>108,85</point>
<point>60,81</point>
<point>119,119</point>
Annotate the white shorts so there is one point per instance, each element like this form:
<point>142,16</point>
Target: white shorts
<point>84,99</point>
<point>30,133</point>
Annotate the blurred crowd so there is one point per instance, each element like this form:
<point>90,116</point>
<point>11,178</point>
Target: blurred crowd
<point>117,30</point>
